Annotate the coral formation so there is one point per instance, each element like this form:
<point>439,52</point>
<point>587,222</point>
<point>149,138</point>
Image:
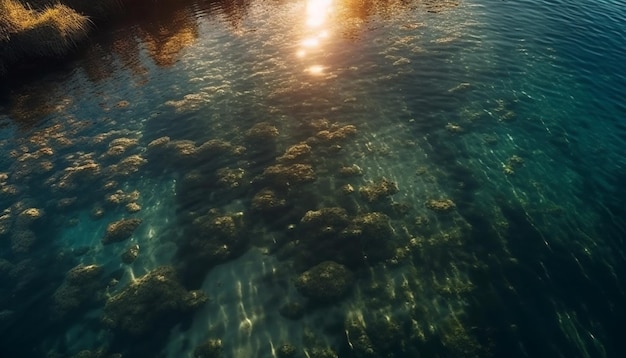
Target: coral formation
<point>212,348</point>
<point>350,171</point>
<point>120,230</point>
<point>286,351</point>
<point>133,207</point>
<point>325,221</point>
<point>80,287</point>
<point>282,175</point>
<point>22,240</point>
<point>295,152</point>
<point>231,178</point>
<point>378,190</point>
<point>454,128</point>
<point>347,189</point>
<point>214,238</point>
<point>336,133</point>
<point>441,205</point>
<point>373,235</point>
<point>262,132</point>
<point>156,298</point>
<point>267,200</point>
<point>326,282</point>
<point>130,255</point>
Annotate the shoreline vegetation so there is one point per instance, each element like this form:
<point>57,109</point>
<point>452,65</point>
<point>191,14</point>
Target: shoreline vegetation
<point>34,30</point>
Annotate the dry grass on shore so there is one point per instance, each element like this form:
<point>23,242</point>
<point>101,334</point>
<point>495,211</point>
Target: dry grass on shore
<point>26,32</point>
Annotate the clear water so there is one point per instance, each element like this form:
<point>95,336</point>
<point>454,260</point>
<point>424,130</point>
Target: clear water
<point>513,110</point>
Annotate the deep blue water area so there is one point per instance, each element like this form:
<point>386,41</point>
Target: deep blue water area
<point>321,178</point>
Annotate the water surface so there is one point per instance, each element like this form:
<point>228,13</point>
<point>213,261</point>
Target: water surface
<point>462,160</point>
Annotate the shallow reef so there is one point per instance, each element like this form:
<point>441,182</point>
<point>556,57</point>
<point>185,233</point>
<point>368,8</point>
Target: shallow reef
<point>120,230</point>
<point>155,298</point>
<point>327,282</point>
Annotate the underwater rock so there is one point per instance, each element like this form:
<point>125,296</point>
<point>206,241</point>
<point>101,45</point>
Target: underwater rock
<point>161,142</point>
<point>130,255</point>
<point>378,190</point>
<point>231,178</point>
<point>114,151</point>
<point>323,352</point>
<point>127,166</point>
<point>155,299</point>
<point>295,152</point>
<point>97,212</point>
<point>119,146</point>
<point>5,221</point>
<point>212,348</point>
<point>512,163</point>
<point>336,133</point>
<point>325,220</point>
<point>358,339</point>
<point>214,238</point>
<point>211,148</point>
<point>347,189</point>
<point>374,235</point>
<point>286,175</point>
<point>83,274</point>
<point>79,288</point>
<point>350,171</point>
<point>286,351</point>
<point>267,200</point>
<point>262,132</point>
<point>120,230</point>
<point>441,206</point>
<point>133,207</point>
<point>326,282</point>
<point>83,170</point>
<point>186,153</point>
<point>454,128</point>
<point>123,142</point>
<point>29,216</point>
<point>22,240</point>
<point>65,203</point>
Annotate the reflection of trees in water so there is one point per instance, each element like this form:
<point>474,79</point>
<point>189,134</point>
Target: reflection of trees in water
<point>365,8</point>
<point>355,13</point>
<point>233,11</point>
<point>165,39</point>
<point>33,103</point>
<point>163,31</point>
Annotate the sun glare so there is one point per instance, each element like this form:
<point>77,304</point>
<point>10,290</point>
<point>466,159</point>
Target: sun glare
<point>315,70</point>
<point>317,11</point>
<point>315,31</point>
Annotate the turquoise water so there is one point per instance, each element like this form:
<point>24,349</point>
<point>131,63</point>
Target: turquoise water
<point>462,164</point>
